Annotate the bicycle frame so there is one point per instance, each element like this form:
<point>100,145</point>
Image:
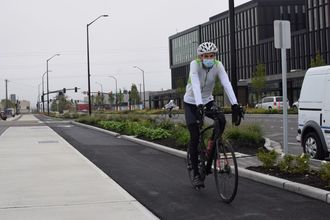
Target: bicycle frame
<point>215,136</point>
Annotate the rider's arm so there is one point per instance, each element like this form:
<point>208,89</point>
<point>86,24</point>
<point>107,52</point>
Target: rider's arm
<point>223,76</point>
<point>195,82</point>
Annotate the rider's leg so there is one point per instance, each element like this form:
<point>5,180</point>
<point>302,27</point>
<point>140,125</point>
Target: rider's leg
<point>193,146</point>
<point>191,115</point>
<point>222,123</point>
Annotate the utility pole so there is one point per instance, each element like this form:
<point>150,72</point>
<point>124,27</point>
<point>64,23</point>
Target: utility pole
<point>6,102</point>
<point>233,73</point>
<point>140,92</point>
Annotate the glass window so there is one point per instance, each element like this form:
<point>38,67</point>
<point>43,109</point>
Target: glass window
<point>321,17</point>
<point>327,16</point>
<point>310,20</point>
<point>248,18</point>
<point>315,19</point>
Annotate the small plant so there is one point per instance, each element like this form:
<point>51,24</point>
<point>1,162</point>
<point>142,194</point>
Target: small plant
<point>302,164</point>
<point>268,158</point>
<point>286,164</point>
<point>181,135</point>
<point>325,173</point>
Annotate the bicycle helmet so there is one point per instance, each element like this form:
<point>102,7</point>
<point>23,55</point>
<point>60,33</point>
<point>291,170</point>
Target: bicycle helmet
<point>206,47</point>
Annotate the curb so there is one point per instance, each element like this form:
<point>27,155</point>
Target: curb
<point>309,191</point>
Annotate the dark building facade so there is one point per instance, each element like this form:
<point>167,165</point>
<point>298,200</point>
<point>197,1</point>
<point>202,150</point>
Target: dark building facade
<point>254,31</point>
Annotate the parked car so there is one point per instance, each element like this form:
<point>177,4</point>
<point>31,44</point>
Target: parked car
<point>3,115</point>
<point>10,112</point>
<point>271,102</point>
<point>295,105</point>
<point>314,113</point>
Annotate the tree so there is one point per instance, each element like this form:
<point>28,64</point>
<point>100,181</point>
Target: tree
<point>111,98</point>
<point>180,89</point>
<point>120,97</point>
<point>135,98</point>
<point>60,103</point>
<point>259,79</point>
<point>318,60</point>
<point>10,104</point>
<point>218,89</point>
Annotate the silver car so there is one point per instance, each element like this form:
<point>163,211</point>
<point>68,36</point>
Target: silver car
<point>271,102</point>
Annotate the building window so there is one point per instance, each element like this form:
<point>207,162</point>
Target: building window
<point>321,16</point>
<point>327,16</point>
<point>315,19</point>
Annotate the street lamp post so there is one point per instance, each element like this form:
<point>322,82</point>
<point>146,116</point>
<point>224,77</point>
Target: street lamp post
<point>116,91</point>
<point>144,89</point>
<point>38,99</point>
<point>88,66</point>
<point>48,81</point>
<point>43,92</point>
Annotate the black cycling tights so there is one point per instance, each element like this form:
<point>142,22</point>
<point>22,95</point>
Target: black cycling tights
<point>194,138</point>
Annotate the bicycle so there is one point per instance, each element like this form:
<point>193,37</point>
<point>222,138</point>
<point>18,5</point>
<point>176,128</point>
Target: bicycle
<point>222,157</point>
<point>171,113</point>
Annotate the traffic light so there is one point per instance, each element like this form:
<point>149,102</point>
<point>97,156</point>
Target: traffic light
<point>75,89</point>
<point>98,93</point>
<point>42,98</point>
<point>64,90</point>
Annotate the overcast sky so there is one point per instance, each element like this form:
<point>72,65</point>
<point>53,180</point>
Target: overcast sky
<point>135,33</point>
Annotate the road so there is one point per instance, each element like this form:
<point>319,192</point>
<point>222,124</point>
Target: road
<point>160,182</point>
<point>272,126</point>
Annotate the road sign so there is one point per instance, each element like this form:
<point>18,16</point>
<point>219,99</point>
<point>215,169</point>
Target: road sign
<point>282,34</point>
<point>282,40</point>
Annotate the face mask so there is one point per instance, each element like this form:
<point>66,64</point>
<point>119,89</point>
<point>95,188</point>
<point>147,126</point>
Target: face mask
<point>208,63</point>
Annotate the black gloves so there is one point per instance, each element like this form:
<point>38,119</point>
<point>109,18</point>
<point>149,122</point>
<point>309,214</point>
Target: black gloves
<point>237,114</point>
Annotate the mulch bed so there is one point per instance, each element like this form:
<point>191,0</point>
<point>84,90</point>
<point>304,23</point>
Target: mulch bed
<point>311,179</point>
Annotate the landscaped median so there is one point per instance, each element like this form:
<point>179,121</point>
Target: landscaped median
<point>157,133</point>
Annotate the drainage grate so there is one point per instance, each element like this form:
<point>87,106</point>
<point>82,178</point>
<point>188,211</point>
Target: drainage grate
<point>47,142</point>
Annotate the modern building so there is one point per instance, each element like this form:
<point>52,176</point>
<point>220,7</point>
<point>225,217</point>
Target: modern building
<point>254,31</point>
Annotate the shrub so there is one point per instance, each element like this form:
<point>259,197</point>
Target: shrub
<point>268,158</point>
<point>302,164</point>
<point>251,133</point>
<point>112,125</point>
<point>91,120</point>
<point>167,125</point>
<point>286,164</point>
<point>181,135</point>
<point>325,172</point>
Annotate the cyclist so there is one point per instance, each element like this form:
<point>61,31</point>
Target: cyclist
<point>198,96</point>
<point>170,105</point>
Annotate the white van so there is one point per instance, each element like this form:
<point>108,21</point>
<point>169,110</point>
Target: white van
<point>314,113</point>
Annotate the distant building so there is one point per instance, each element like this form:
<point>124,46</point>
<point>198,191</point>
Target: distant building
<point>13,98</point>
<point>254,31</point>
<point>23,107</point>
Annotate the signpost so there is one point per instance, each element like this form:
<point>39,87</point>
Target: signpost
<point>282,40</point>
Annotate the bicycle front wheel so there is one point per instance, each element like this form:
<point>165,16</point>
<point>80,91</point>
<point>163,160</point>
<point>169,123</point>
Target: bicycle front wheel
<point>225,172</point>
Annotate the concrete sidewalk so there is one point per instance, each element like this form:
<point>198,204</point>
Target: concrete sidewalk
<point>44,177</point>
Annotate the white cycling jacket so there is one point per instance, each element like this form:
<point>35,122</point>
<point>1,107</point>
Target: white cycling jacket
<point>201,83</point>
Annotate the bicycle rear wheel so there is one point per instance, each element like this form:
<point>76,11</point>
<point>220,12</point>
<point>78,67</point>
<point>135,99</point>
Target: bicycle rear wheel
<point>225,172</point>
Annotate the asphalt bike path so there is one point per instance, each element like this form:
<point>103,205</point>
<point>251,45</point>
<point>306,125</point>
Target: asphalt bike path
<point>160,182</point>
